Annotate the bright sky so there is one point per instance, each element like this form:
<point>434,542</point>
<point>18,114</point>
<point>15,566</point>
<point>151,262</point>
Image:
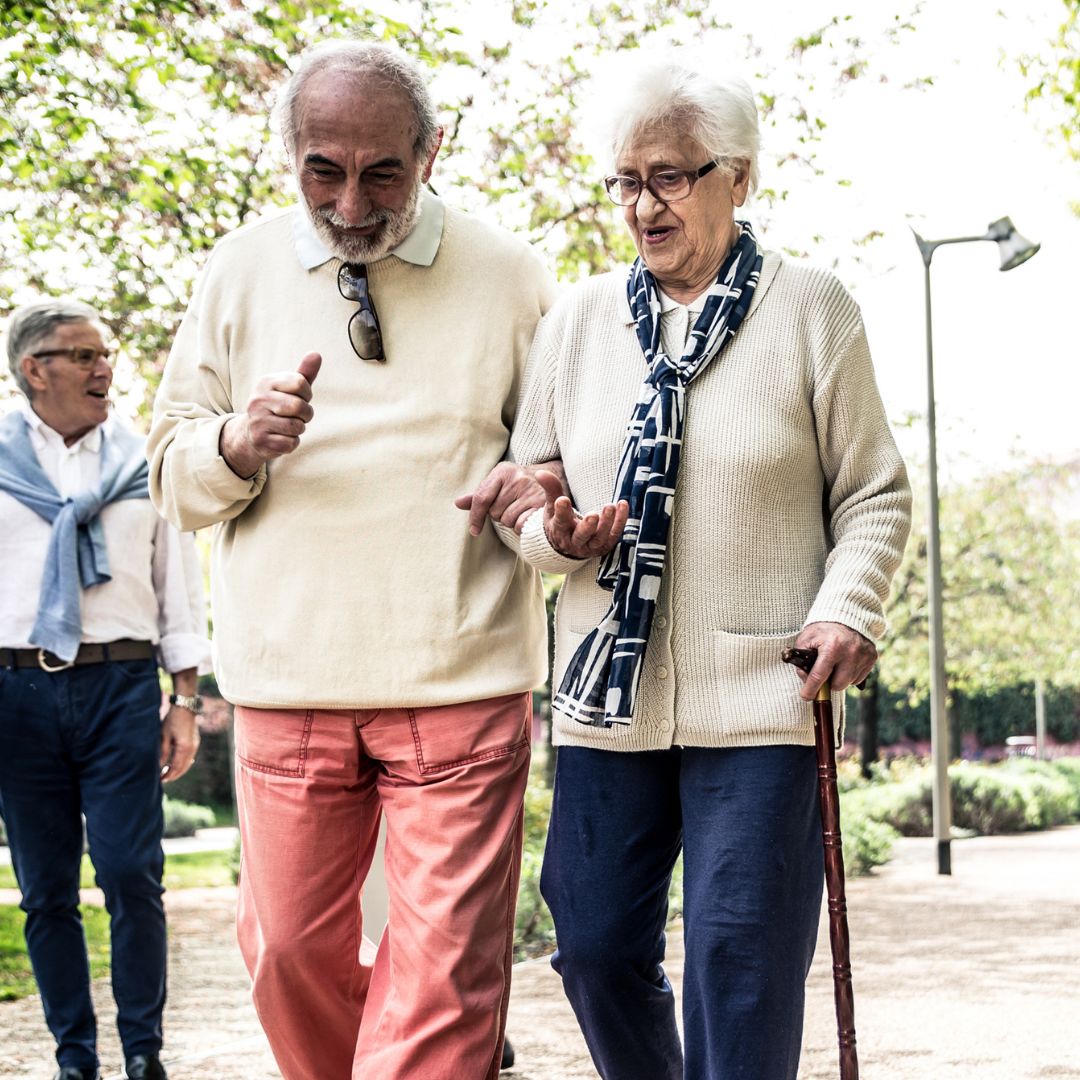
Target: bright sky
<point>948,160</point>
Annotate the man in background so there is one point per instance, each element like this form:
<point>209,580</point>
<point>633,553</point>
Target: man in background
<point>96,591</point>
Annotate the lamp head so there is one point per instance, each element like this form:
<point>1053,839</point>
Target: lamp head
<point>1014,248</point>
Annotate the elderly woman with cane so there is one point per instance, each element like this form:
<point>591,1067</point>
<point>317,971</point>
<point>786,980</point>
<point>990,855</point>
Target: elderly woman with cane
<point>733,491</point>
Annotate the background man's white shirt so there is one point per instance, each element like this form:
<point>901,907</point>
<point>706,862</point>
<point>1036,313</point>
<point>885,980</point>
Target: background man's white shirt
<point>156,591</point>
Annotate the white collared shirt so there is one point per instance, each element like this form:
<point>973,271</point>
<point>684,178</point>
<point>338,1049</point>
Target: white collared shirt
<point>420,247</point>
<point>156,591</point>
<point>677,320</point>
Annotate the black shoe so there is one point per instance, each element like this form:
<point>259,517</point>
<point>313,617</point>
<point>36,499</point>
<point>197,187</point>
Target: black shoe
<point>67,1072</point>
<point>144,1067</point>
<point>508,1055</point>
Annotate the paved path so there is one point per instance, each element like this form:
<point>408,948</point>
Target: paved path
<point>973,976</point>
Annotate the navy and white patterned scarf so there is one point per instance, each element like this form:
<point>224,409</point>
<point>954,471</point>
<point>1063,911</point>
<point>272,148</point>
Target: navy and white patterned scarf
<point>601,682</point>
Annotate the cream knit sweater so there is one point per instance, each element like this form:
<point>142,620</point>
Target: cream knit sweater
<point>343,576</point>
<point>792,503</point>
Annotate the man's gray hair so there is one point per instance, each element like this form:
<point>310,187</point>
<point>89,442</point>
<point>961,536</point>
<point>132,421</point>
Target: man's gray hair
<point>31,324</point>
<point>666,92</point>
<point>356,61</point>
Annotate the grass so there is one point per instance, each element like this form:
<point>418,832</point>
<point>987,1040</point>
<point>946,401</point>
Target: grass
<point>16,978</point>
<point>198,869</point>
<point>191,870</point>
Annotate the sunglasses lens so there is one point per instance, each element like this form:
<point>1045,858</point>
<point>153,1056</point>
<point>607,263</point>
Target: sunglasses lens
<point>364,335</point>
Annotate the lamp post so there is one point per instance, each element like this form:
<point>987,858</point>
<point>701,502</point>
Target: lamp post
<point>1014,250</point>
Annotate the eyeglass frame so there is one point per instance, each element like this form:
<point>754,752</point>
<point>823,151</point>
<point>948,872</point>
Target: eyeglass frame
<point>357,273</point>
<point>73,352</point>
<point>692,177</point>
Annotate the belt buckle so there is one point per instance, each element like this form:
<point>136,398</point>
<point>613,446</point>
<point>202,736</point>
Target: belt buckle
<point>45,667</point>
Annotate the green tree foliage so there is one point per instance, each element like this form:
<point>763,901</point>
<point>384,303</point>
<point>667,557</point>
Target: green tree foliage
<point>134,134</point>
<point>1056,76</point>
<point>1011,587</point>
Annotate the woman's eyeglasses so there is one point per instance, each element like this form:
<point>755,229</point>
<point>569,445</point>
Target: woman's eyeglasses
<point>365,337</point>
<point>84,357</point>
<point>666,186</point>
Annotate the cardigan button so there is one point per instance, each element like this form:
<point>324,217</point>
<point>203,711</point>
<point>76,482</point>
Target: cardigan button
<point>661,672</point>
<point>661,621</point>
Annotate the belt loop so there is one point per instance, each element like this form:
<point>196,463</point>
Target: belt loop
<point>105,653</point>
<point>9,664</point>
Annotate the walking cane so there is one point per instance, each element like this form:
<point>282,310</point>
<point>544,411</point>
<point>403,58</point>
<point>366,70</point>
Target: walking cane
<point>829,797</point>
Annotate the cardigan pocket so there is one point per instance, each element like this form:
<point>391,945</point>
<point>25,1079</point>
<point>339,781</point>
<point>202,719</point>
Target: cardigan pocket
<point>754,686</point>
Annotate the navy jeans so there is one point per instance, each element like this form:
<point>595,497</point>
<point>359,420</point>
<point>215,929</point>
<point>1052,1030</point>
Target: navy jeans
<point>748,823</point>
<point>85,741</point>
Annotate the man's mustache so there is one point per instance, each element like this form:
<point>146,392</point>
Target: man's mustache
<point>332,217</point>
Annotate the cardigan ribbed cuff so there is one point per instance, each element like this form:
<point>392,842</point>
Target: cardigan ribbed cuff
<point>537,550</point>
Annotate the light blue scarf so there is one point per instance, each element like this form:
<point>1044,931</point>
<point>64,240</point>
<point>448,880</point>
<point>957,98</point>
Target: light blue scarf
<point>77,558</point>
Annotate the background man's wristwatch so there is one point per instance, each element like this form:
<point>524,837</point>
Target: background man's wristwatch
<point>193,703</point>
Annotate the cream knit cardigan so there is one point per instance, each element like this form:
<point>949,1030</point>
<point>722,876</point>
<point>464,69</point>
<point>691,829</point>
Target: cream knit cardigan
<point>792,503</point>
<point>343,576</point>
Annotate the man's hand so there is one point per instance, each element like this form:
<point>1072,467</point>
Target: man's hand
<point>179,743</point>
<point>844,657</point>
<point>277,414</point>
<point>580,537</point>
<point>509,494</point>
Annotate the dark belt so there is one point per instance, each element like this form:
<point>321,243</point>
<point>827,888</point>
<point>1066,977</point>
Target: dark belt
<point>124,649</point>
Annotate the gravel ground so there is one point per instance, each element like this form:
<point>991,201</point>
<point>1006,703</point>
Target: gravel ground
<point>971,976</point>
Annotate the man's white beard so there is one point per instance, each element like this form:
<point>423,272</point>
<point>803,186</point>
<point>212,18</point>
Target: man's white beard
<point>394,226</point>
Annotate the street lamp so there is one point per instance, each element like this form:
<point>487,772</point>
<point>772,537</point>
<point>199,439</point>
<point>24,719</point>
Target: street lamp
<point>1014,250</point>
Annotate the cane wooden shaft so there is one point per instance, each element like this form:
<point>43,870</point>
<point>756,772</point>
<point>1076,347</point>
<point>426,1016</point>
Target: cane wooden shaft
<point>829,796</point>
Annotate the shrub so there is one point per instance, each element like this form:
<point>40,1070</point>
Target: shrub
<point>1069,767</point>
<point>534,931</point>
<point>905,804</point>
<point>867,843</point>
<point>182,819</point>
<point>1055,794</point>
<point>234,861</point>
<point>989,800</point>
<point>1016,795</point>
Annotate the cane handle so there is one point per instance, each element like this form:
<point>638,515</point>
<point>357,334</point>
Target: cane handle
<point>804,659</point>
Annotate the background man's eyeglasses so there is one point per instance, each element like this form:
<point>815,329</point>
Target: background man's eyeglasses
<point>666,186</point>
<point>365,337</point>
<point>84,357</point>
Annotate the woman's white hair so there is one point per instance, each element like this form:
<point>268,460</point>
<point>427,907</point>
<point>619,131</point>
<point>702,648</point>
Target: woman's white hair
<point>671,92</point>
<point>356,61</point>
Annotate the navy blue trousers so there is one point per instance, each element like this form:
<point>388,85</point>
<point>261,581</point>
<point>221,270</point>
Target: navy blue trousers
<point>86,741</point>
<point>748,823</point>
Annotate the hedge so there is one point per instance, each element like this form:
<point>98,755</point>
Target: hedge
<point>991,718</point>
<point>1013,796</point>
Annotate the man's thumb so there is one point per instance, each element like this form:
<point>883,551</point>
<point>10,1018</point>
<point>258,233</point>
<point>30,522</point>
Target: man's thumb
<point>309,366</point>
<point>551,484</point>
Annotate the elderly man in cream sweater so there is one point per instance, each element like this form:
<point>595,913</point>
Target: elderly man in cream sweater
<point>345,368</point>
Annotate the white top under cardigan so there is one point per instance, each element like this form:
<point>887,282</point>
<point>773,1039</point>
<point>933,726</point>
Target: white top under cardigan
<point>792,504</point>
<point>156,591</point>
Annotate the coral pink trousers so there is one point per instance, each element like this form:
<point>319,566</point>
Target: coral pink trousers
<point>312,785</point>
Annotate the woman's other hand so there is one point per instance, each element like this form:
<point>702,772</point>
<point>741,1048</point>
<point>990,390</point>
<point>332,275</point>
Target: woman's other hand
<point>580,536</point>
